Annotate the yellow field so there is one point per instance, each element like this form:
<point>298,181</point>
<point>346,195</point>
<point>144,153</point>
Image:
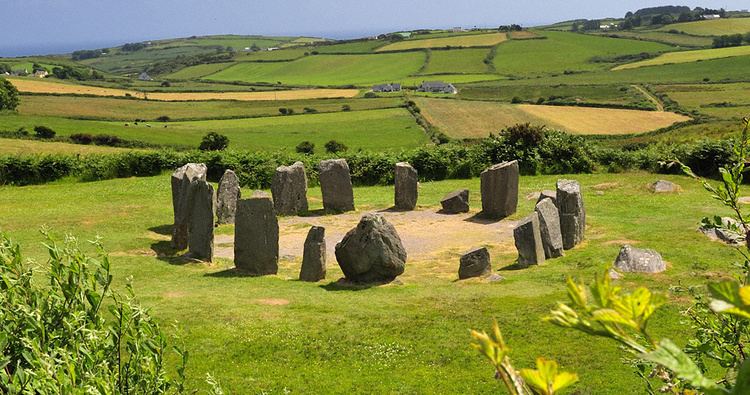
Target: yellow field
<point>688,56</point>
<point>468,40</point>
<point>36,86</point>
<point>714,27</point>
<point>476,119</point>
<point>14,147</point>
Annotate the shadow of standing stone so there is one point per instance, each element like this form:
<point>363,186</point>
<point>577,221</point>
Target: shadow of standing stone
<point>256,236</point>
<point>499,185</point>
<point>336,186</point>
<point>226,197</point>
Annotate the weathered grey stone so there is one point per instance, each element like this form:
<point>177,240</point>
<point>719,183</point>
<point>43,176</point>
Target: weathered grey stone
<point>406,184</point>
<point>371,252</point>
<point>289,189</point>
<point>528,241</point>
<point>494,277</point>
<point>548,195</point>
<point>456,202</point>
<point>549,228</point>
<point>614,274</point>
<point>314,257</point>
<point>663,186</point>
<point>636,260</point>
<point>336,185</point>
<point>572,212</point>
<point>226,197</point>
<point>201,225</point>
<point>181,179</point>
<point>499,184</point>
<point>474,263</point>
<point>256,236</point>
<point>730,231</point>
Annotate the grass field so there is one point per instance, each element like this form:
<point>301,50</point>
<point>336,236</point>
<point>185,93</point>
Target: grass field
<point>523,35</point>
<point>562,52</point>
<point>466,40</point>
<point>410,338</point>
<point>277,55</point>
<point>24,147</point>
<point>37,86</point>
<point>474,119</point>
<point>196,72</point>
<point>387,129</point>
<point>104,108</point>
<point>327,70</point>
<point>715,27</point>
<point>688,56</point>
<point>684,40</point>
<point>725,101</point>
<point>457,61</point>
<point>366,46</point>
<point>603,94</point>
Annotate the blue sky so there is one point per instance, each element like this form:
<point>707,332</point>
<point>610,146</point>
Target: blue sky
<point>44,26</point>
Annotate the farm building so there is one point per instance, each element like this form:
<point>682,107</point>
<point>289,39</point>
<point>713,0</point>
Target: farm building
<point>392,87</point>
<point>41,73</point>
<point>145,77</point>
<point>437,87</point>
<point>712,16</point>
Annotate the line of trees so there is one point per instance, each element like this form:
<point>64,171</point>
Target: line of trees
<point>731,40</point>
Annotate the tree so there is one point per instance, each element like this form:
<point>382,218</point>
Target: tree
<point>214,142</point>
<point>44,132</point>
<point>334,146</point>
<point>5,68</point>
<point>8,95</point>
<point>306,147</point>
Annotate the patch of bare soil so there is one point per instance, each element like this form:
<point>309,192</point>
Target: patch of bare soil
<point>272,302</point>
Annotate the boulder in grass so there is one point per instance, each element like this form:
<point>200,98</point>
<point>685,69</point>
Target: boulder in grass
<point>456,202</point>
<point>637,260</point>
<point>663,186</point>
<point>372,252</point>
<point>474,263</point>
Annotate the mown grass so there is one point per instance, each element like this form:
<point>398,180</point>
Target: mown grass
<point>457,61</point>
<point>684,40</point>
<point>327,70</point>
<point>387,129</point>
<point>715,27</point>
<point>277,55</point>
<point>25,147</point>
<point>688,56</point>
<point>461,40</point>
<point>196,72</point>
<point>604,94</point>
<point>410,338</point>
<point>724,101</point>
<point>366,46</point>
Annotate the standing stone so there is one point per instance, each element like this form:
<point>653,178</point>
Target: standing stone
<point>371,252</point>
<point>639,260</point>
<point>499,184</point>
<point>201,226</point>
<point>475,263</point>
<point>406,187</point>
<point>336,185</point>
<point>456,202</point>
<point>528,241</point>
<point>314,257</point>
<point>549,228</point>
<point>289,189</point>
<point>181,179</point>
<point>227,197</point>
<point>548,195</point>
<point>256,236</point>
<point>572,212</point>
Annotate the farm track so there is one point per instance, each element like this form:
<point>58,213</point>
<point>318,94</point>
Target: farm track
<point>651,97</point>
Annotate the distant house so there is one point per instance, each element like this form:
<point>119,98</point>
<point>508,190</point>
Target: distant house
<point>437,87</point>
<point>272,48</point>
<point>712,16</point>
<point>145,77</point>
<point>404,34</point>
<point>457,29</point>
<point>392,87</point>
<point>41,73</point>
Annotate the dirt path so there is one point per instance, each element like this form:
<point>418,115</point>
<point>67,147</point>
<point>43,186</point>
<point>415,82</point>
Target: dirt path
<point>650,97</point>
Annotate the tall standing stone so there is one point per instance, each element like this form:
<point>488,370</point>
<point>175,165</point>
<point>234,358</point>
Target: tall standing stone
<point>549,227</point>
<point>499,184</point>
<point>336,185</point>
<point>406,184</point>
<point>371,252</point>
<point>256,236</point>
<point>314,256</point>
<point>201,225</point>
<point>181,180</point>
<point>572,212</point>
<point>528,239</point>
<point>227,197</point>
<point>289,189</point>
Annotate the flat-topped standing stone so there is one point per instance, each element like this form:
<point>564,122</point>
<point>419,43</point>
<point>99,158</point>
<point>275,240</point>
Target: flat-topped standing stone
<point>572,212</point>
<point>181,179</point>
<point>549,228</point>
<point>256,236</point>
<point>289,189</point>
<point>548,195</point>
<point>314,257</point>
<point>227,197</point>
<point>372,252</point>
<point>456,202</point>
<point>406,184</point>
<point>336,185</point>
<point>528,241</point>
<point>201,226</point>
<point>474,263</point>
<point>499,184</point>
<point>639,260</point>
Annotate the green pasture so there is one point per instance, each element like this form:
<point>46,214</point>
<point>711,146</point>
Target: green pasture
<point>618,94</point>
<point>665,37</point>
<point>724,101</point>
<point>714,27</point>
<point>401,338</point>
<point>136,61</point>
<point>457,61</point>
<point>276,55</point>
<point>688,56</point>
<point>198,71</point>
<point>366,46</point>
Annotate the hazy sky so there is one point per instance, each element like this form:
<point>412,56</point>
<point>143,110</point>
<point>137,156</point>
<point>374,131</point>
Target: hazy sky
<point>45,26</point>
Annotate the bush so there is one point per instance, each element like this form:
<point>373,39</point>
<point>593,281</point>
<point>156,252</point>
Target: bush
<point>82,138</point>
<point>370,95</point>
<point>214,142</point>
<point>44,132</point>
<point>346,107</point>
<point>9,97</point>
<point>164,118</point>
<point>286,111</point>
<point>108,140</point>
<point>309,110</point>
<point>516,100</point>
<point>305,147</point>
<point>333,147</point>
